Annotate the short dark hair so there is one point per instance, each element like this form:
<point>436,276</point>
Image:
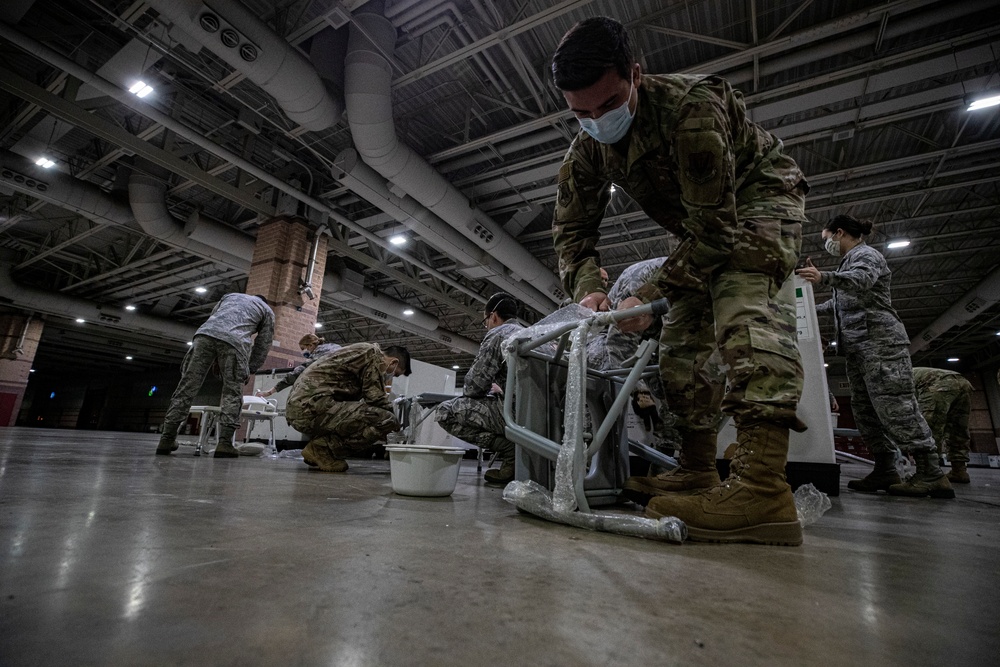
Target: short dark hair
<point>262,298</point>
<point>588,50</point>
<point>503,304</point>
<point>401,353</point>
<point>851,226</point>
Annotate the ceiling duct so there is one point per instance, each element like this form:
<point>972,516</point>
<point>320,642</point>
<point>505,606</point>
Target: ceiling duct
<point>368,80</point>
<point>247,44</point>
<point>972,303</point>
<point>51,303</point>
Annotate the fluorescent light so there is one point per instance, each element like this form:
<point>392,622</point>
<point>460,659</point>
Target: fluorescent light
<point>45,163</point>
<point>140,89</point>
<point>130,307</point>
<point>398,239</point>
<point>455,367</point>
<point>190,343</point>
<point>998,333</point>
<point>614,189</point>
<point>833,343</point>
<point>898,243</point>
<point>318,325</point>
<point>826,365</point>
<point>31,370</point>
<point>408,312</point>
<point>200,290</point>
<point>952,359</point>
<point>985,102</point>
<point>128,358</point>
<point>80,320</point>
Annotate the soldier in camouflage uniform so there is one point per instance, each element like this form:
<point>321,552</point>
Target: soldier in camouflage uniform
<point>313,348</point>
<point>340,402</point>
<point>224,338</point>
<point>477,415</point>
<point>685,151</point>
<point>879,371</point>
<point>945,400</point>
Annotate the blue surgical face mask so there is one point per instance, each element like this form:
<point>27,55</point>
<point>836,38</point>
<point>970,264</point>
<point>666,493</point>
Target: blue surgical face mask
<point>613,125</point>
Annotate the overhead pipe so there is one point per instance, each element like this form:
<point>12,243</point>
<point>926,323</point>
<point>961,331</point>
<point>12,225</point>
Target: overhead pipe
<point>52,303</point>
<point>148,200</point>
<point>247,44</point>
<point>369,104</point>
<point>106,87</point>
<point>505,148</point>
<point>334,288</point>
<point>971,304</point>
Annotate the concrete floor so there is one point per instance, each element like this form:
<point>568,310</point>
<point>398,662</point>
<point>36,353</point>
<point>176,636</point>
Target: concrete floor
<point>110,555</point>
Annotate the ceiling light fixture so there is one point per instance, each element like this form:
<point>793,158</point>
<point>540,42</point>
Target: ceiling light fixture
<point>190,343</point>
<point>130,307</point>
<point>397,240</point>
<point>898,243</point>
<point>140,89</point>
<point>318,325</point>
<point>952,359</point>
<point>985,102</point>
<point>128,358</point>
<point>408,312</point>
<point>200,290</point>
<point>80,320</point>
<point>45,163</point>
<point>455,367</point>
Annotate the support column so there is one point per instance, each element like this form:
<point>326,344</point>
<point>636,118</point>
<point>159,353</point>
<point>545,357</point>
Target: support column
<point>280,264</point>
<point>19,337</point>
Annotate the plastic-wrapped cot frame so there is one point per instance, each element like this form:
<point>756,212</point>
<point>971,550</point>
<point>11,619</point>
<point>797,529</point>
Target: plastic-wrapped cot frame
<point>568,501</point>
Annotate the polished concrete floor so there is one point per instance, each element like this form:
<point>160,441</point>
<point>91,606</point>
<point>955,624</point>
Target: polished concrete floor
<point>110,555</point>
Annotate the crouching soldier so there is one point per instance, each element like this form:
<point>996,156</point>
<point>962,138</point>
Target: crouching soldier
<point>340,401</point>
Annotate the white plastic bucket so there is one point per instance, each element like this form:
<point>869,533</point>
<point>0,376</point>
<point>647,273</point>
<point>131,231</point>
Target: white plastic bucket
<point>424,470</point>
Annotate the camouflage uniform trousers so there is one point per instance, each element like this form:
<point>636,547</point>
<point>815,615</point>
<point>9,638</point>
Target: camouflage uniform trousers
<point>346,428</point>
<point>744,314</point>
<point>883,401</point>
<point>478,421</point>
<point>946,408</point>
<point>198,361</point>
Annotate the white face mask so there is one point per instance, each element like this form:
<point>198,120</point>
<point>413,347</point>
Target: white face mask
<point>613,125</point>
<point>833,246</point>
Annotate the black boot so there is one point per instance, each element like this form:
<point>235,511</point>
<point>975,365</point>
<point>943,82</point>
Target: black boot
<point>881,478</point>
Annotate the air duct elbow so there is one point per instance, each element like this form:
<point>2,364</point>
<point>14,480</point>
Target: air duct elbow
<point>247,44</point>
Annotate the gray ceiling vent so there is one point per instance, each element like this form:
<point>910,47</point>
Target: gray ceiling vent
<point>230,37</point>
<point>24,181</point>
<point>843,135</point>
<point>248,52</point>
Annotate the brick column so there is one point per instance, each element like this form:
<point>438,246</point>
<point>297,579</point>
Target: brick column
<point>16,357</point>
<point>280,263</point>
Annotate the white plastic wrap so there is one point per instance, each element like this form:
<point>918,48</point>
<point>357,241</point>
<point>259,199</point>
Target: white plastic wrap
<point>533,498</point>
<point>810,504</point>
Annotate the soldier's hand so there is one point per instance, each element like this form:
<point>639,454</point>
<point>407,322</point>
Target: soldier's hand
<point>596,301</point>
<point>809,273</point>
<point>632,324</point>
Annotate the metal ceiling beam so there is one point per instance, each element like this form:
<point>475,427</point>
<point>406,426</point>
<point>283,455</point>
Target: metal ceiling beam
<point>70,112</point>
<point>497,37</point>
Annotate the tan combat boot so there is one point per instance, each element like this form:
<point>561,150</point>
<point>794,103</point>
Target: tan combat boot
<point>959,473</point>
<point>318,454</point>
<point>225,449</point>
<point>928,480</point>
<point>881,478</point>
<point>697,471</point>
<point>505,450</point>
<point>754,504</point>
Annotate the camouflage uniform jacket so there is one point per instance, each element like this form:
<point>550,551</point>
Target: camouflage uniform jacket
<point>354,373</point>
<point>293,375</point>
<point>695,164</point>
<point>861,306</point>
<point>937,379</point>
<point>489,365</point>
<point>234,320</point>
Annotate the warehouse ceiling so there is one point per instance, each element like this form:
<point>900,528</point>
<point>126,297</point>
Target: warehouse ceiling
<point>871,99</point>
